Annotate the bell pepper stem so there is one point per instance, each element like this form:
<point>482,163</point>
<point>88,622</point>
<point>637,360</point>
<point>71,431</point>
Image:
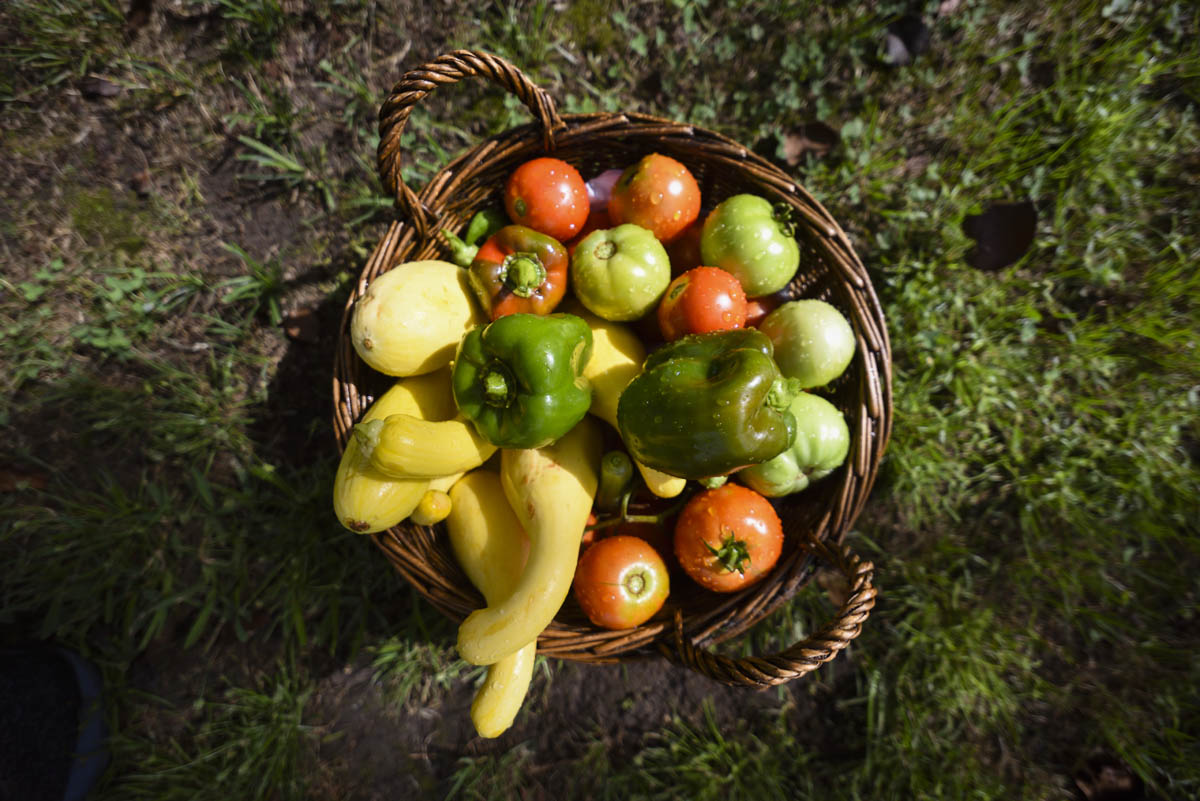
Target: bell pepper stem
<point>485,223</point>
<point>523,273</point>
<point>497,388</point>
<point>782,392</point>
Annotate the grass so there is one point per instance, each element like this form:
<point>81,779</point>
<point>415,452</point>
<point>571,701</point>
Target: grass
<point>1034,524</point>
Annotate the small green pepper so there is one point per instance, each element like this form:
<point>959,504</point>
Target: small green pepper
<point>616,477</point>
<point>484,224</point>
<point>708,404</point>
<point>519,379</point>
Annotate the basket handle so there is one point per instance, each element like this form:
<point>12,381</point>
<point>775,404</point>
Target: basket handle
<point>449,68</point>
<point>802,657</point>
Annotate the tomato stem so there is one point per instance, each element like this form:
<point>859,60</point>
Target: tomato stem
<point>733,553</point>
<point>785,215</point>
<point>605,250</point>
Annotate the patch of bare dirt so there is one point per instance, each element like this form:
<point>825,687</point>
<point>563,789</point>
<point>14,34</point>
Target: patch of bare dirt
<point>374,750</point>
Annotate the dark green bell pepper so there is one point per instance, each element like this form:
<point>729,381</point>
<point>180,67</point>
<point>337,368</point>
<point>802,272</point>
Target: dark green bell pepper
<point>519,379</point>
<point>708,404</point>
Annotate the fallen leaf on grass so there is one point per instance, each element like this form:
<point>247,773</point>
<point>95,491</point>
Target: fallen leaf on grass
<point>1104,778</point>
<point>15,480</point>
<point>811,137</point>
<point>93,87</point>
<point>303,326</point>
<point>835,584</point>
<point>1002,234</point>
<point>906,38</point>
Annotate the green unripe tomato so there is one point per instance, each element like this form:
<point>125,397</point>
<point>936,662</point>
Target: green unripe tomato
<point>752,239</point>
<point>813,341</point>
<point>821,444</point>
<point>620,273</point>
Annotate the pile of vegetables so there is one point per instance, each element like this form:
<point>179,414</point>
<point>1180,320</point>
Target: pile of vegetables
<point>614,297</point>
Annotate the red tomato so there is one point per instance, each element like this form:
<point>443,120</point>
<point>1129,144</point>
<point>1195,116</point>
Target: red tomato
<point>728,538</point>
<point>701,300</point>
<point>758,308</point>
<point>547,195</point>
<point>684,251</point>
<point>659,194</point>
<point>620,582</point>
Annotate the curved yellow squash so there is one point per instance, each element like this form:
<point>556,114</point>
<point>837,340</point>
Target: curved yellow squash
<point>551,490</point>
<point>490,544</point>
<point>365,499</point>
<point>407,446</point>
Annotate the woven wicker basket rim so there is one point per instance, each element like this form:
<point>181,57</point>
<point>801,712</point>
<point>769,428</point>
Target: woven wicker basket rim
<point>593,140</point>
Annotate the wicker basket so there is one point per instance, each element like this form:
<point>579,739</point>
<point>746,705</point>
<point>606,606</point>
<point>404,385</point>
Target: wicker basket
<point>815,521</point>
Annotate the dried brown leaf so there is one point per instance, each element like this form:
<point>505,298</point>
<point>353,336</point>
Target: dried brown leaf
<point>16,480</point>
<point>303,326</point>
<point>811,137</point>
<point>93,87</point>
<point>835,584</point>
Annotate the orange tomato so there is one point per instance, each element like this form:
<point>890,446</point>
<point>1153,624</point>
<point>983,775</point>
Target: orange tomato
<point>701,300</point>
<point>659,194</point>
<point>620,582</point>
<point>728,538</point>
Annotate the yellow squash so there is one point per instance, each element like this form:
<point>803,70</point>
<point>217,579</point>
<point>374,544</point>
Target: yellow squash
<point>366,500</point>
<point>407,446</point>
<point>433,508</point>
<point>617,356</point>
<point>551,490</point>
<point>411,318</point>
<point>491,546</point>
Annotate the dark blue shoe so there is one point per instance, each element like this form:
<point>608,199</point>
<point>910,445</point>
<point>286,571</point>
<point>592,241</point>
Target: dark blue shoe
<point>53,736</point>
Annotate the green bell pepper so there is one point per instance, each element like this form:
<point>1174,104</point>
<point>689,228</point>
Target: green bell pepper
<point>519,379</point>
<point>708,404</point>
